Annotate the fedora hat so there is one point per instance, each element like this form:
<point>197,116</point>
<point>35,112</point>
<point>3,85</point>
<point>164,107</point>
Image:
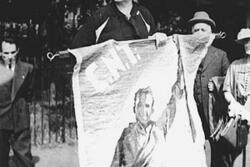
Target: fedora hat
<point>243,35</point>
<point>202,17</point>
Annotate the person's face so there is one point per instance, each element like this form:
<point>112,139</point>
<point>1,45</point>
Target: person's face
<point>247,47</point>
<point>201,29</point>
<point>9,51</point>
<point>144,108</point>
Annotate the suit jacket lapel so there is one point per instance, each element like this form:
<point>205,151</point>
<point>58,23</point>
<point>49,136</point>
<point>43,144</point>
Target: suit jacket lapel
<point>210,57</point>
<point>19,76</point>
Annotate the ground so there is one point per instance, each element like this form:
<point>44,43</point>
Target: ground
<point>238,162</point>
<point>64,155</point>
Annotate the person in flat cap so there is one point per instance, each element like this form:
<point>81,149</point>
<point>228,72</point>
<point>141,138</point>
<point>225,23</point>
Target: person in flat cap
<point>215,63</point>
<point>237,84</point>
<point>202,17</point>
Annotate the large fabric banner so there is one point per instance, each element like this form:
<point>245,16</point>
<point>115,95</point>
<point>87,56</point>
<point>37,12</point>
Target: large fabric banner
<point>105,80</point>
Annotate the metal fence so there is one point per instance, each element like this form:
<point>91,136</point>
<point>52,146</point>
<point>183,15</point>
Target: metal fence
<point>52,107</point>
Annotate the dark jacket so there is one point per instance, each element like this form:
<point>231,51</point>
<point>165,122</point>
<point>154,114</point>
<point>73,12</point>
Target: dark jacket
<point>215,64</point>
<point>217,105</point>
<point>14,113</point>
<point>109,23</point>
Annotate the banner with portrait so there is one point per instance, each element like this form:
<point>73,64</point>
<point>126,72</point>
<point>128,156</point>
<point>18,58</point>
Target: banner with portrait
<point>105,80</point>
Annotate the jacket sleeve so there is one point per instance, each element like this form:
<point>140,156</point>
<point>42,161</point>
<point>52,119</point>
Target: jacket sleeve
<point>86,34</point>
<point>152,24</point>
<point>117,156</point>
<point>30,84</point>
<point>229,80</point>
<point>118,159</point>
<point>224,64</point>
<point>149,19</point>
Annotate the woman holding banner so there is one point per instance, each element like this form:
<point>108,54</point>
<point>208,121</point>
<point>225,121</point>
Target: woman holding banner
<point>120,20</point>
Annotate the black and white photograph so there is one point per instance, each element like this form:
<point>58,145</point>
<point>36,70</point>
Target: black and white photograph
<point>124,83</point>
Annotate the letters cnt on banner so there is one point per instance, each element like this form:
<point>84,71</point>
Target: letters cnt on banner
<point>105,80</point>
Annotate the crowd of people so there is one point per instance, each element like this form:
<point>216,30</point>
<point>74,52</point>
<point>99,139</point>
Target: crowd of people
<point>126,20</point>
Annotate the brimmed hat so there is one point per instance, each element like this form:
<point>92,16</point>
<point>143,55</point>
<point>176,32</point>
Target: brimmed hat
<point>201,17</point>
<point>243,35</point>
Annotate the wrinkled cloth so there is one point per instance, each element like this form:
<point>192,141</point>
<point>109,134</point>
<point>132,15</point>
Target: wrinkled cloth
<point>104,110</point>
<point>181,134</point>
<point>139,147</point>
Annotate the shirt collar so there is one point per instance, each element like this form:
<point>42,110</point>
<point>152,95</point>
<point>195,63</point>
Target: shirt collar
<point>133,11</point>
<point>140,128</point>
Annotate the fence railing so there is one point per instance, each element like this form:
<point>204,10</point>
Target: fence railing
<point>52,106</point>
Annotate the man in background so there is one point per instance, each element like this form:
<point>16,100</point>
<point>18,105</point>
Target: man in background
<point>215,63</point>
<point>14,113</point>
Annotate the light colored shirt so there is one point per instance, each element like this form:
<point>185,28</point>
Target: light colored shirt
<point>237,80</point>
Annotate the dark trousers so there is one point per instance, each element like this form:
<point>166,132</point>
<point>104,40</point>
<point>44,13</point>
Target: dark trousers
<point>21,145</point>
<point>205,123</point>
<point>223,154</point>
